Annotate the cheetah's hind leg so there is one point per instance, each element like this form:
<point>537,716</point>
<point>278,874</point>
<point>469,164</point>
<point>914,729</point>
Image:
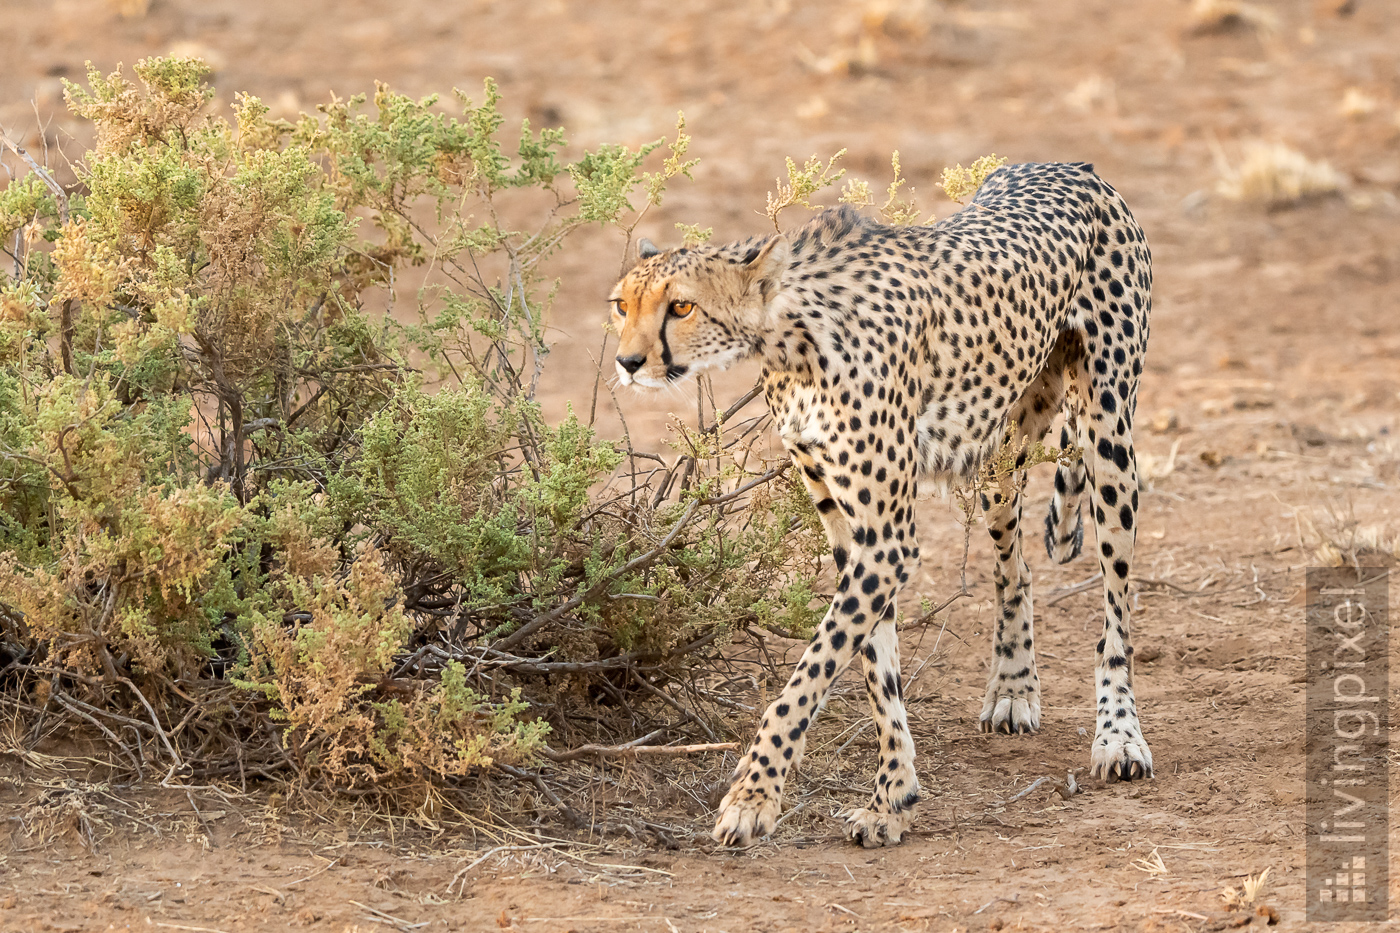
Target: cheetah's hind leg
<point>1012,701</point>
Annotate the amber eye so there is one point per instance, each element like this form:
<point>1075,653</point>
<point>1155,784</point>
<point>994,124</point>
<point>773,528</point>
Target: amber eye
<point>682,308</point>
<point>617,306</point>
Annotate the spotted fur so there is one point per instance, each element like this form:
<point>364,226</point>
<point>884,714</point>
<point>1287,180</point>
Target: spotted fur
<point>894,353</point>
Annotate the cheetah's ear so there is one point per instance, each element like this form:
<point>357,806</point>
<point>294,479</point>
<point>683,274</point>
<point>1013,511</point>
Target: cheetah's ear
<point>766,266</point>
<point>646,249</point>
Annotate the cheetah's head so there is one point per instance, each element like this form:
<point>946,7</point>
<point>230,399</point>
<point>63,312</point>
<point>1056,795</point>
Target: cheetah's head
<point>685,310</point>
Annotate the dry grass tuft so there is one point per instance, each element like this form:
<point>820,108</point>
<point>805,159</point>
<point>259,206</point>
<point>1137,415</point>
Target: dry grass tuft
<point>1094,93</point>
<point>68,807</point>
<point>130,9</point>
<point>1358,545</point>
<point>872,35</point>
<point>1222,15</point>
<point>960,183</point>
<point>1249,892</point>
<point>1339,539</point>
<point>1356,103</point>
<point>1152,469</point>
<point>1151,864</point>
<point>1275,175</point>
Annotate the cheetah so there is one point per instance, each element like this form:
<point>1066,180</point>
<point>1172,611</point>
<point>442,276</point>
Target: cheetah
<point>892,353</point>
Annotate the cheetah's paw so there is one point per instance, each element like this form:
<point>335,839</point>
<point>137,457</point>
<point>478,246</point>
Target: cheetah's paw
<point>746,815</point>
<point>874,828</point>
<point>1120,757</point>
<point>1010,714</point>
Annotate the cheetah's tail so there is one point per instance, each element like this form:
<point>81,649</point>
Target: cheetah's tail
<point>1064,523</point>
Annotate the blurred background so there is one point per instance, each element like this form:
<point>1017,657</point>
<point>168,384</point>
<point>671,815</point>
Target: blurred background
<point>1256,141</point>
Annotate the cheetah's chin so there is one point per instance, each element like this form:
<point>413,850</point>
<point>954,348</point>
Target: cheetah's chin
<point>644,382</point>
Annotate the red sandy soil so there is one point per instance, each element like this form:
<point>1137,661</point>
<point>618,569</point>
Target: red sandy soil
<point>1271,378</point>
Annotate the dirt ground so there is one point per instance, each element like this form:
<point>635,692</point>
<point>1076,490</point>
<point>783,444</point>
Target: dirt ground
<point>1268,422</point>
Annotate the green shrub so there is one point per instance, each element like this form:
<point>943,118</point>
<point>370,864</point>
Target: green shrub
<point>230,498</point>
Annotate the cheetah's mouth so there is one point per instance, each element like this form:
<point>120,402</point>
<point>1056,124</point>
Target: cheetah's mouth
<point>674,374</point>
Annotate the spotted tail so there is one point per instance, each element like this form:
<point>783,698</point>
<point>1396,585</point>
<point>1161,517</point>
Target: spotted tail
<point>1064,523</point>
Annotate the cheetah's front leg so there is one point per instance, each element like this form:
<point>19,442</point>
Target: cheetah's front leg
<point>750,810</point>
<point>892,806</point>
<point>872,571</point>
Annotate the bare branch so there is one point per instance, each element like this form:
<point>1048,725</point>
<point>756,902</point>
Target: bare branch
<point>59,194</point>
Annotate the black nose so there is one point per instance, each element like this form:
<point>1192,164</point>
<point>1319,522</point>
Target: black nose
<point>631,363</point>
